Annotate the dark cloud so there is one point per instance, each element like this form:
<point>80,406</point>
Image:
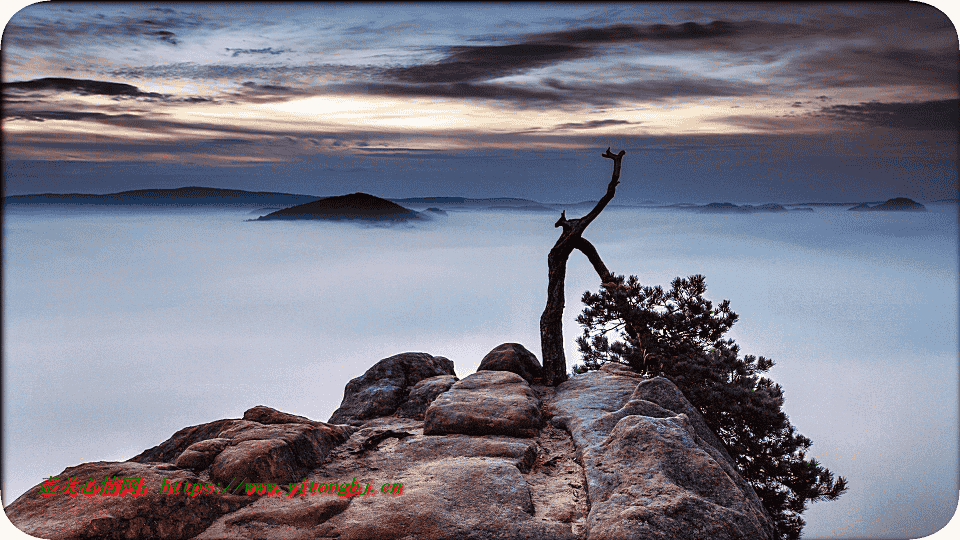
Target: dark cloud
<point>370,29</point>
<point>166,36</point>
<point>40,116</point>
<point>80,86</point>
<point>268,50</point>
<point>267,87</point>
<point>846,67</point>
<point>86,87</point>
<point>486,62</point>
<point>478,63</point>
<point>593,124</point>
<point>653,32</point>
<point>253,92</point>
<point>456,90</point>
<point>941,114</point>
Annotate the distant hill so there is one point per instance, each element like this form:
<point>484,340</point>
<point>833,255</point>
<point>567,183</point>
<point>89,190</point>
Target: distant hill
<point>728,208</point>
<point>185,197</point>
<point>356,206</point>
<point>899,204</point>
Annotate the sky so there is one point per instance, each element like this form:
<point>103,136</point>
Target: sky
<point>712,102</point>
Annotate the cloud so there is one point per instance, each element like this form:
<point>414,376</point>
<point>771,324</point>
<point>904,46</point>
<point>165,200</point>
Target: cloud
<point>478,63</point>
<point>941,114</point>
<point>86,87</point>
<point>40,28</point>
<point>235,72</point>
<point>485,62</point>
<point>40,116</point>
<point>855,67</point>
<point>593,124</point>
<point>268,50</point>
<point>654,32</point>
<point>80,86</point>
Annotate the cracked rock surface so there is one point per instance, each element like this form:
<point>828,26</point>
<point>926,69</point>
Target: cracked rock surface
<point>605,455</point>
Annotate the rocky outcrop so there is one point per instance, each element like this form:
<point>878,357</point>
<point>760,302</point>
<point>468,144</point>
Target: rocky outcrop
<point>653,467</point>
<point>183,484</point>
<point>486,403</point>
<point>385,386</point>
<point>516,358</point>
<point>607,454</point>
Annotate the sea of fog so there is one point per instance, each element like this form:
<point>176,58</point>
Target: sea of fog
<point>121,328</point>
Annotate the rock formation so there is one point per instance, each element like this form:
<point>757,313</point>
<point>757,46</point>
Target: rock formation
<point>412,452</point>
<point>516,358</point>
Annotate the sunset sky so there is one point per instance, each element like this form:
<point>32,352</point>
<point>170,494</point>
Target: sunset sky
<point>738,102</point>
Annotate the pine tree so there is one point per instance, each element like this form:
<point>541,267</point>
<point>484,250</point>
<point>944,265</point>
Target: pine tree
<point>679,334</point>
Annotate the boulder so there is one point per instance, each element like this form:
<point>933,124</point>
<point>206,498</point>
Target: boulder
<point>385,386</point>
<point>486,403</point>
<point>515,358</point>
<point>275,450</point>
<point>422,395</point>
<point>278,453</point>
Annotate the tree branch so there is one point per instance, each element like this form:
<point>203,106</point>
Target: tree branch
<point>591,252</point>
<point>611,189</point>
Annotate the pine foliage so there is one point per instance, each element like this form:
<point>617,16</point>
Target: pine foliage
<point>679,334</point>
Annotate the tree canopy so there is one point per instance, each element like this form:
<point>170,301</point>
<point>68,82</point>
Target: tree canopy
<point>677,333</point>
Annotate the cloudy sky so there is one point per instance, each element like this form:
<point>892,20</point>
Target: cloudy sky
<point>740,102</point>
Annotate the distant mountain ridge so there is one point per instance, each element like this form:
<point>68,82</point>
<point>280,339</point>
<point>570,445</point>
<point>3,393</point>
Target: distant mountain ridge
<point>207,197</point>
<point>191,196</point>
<point>726,208</point>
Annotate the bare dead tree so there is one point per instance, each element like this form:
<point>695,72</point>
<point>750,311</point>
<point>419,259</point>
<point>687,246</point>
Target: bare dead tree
<point>551,322</point>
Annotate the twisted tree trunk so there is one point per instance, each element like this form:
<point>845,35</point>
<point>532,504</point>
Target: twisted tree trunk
<point>551,322</point>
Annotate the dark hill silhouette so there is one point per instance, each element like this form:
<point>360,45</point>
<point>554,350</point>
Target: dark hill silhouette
<point>899,204</point>
<point>730,208</point>
<point>191,196</point>
<point>356,206</point>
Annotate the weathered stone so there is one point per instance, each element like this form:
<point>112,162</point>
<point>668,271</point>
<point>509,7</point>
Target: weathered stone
<point>385,386</point>
<point>267,415</point>
<point>515,358</point>
<point>200,455</point>
<point>150,515</point>
<point>660,482</point>
<point>666,394</point>
<point>591,395</point>
<point>277,517</point>
<point>520,453</point>
<point>451,499</point>
<point>486,403</point>
<point>274,452</point>
<point>169,450</point>
<point>423,394</point>
<point>649,474</point>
